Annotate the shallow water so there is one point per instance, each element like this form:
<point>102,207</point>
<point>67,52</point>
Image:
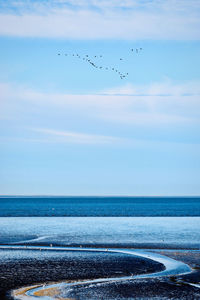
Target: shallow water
<point>115,222</point>
<point>172,267</point>
<point>146,232</point>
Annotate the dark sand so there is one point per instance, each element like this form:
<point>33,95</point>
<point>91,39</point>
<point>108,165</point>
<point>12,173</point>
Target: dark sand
<point>46,266</point>
<point>192,258</point>
<point>132,289</point>
<point>137,289</point>
<point>172,287</point>
<point>32,267</point>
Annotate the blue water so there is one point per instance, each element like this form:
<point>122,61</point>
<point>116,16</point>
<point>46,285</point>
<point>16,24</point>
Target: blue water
<point>99,206</point>
<point>148,222</point>
<point>137,232</point>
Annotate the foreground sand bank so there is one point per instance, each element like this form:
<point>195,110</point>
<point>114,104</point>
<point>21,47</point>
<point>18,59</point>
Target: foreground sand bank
<point>135,287</point>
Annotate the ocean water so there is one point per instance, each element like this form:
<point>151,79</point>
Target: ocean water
<point>137,232</point>
<point>139,222</point>
<point>99,206</point>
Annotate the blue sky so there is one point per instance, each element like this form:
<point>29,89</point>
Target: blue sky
<point>67,128</point>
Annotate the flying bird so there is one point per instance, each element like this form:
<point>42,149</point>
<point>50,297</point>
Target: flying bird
<point>86,58</point>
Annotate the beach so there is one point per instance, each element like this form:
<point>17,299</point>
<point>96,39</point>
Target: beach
<point>93,274</point>
<point>27,267</point>
<point>99,257</point>
<point>99,149</point>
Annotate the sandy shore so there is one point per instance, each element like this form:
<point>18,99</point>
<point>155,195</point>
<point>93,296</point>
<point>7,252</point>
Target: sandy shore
<point>22,268</point>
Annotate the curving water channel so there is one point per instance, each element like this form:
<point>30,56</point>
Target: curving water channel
<point>172,267</point>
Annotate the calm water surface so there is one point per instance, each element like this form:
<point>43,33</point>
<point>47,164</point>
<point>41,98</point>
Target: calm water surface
<point>99,206</point>
<point>147,222</point>
<point>138,232</point>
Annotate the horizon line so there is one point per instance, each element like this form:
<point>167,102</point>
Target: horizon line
<point>98,196</point>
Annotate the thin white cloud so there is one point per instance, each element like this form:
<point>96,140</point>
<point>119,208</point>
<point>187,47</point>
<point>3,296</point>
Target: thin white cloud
<point>157,104</point>
<point>164,88</point>
<point>52,136</point>
<point>144,118</point>
<point>123,116</point>
<point>39,6</point>
<point>104,20</point>
<point>77,137</point>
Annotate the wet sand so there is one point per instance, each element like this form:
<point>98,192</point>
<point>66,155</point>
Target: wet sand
<point>28,267</point>
<point>21,268</point>
<point>192,258</point>
<point>170,287</point>
<point>137,289</point>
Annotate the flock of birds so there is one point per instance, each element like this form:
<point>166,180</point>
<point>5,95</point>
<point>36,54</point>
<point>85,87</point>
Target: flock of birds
<point>91,61</point>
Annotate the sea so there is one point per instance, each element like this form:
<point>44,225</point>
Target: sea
<point>132,222</point>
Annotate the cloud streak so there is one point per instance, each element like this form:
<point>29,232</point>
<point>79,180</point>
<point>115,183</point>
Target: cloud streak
<point>103,20</point>
<point>133,116</point>
<point>163,103</point>
<point>77,137</point>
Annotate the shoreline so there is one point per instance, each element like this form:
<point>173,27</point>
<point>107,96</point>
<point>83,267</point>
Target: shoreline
<point>152,276</point>
<point>62,247</point>
<point>23,268</point>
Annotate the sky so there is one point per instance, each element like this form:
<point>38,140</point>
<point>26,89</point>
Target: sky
<point>69,128</point>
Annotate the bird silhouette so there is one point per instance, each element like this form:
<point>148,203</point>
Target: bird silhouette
<point>88,60</point>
